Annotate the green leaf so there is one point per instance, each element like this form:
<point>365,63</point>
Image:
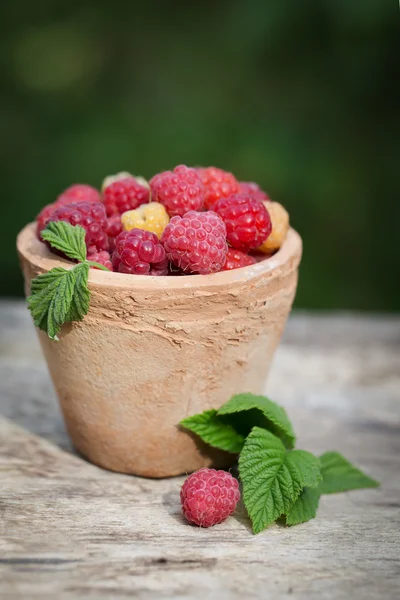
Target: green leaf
<point>305,507</point>
<point>252,410</point>
<point>81,297</point>
<point>60,303</point>
<point>62,295</point>
<point>41,289</point>
<point>214,431</point>
<point>67,238</point>
<point>59,296</point>
<point>273,477</point>
<point>339,475</point>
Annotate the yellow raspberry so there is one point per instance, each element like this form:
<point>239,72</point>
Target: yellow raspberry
<point>150,217</point>
<point>280,225</point>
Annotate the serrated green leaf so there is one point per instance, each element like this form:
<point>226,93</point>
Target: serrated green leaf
<point>305,508</point>
<point>252,410</point>
<point>60,303</point>
<point>214,431</point>
<point>339,475</point>
<point>273,477</point>
<point>304,466</point>
<point>59,296</point>
<point>81,298</point>
<point>41,288</point>
<point>67,238</point>
<point>40,283</point>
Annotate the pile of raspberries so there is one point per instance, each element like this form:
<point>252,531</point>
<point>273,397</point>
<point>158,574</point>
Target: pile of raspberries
<point>181,222</point>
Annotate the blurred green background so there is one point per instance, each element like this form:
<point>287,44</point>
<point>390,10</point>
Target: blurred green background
<point>302,97</point>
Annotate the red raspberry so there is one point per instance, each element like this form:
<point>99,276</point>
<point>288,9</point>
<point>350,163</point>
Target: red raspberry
<point>103,258</point>
<point>114,228</point>
<point>89,215</point>
<point>80,192</point>
<point>253,189</point>
<point>218,184</point>
<point>44,216</point>
<point>179,190</point>
<point>196,242</point>
<point>235,259</point>
<point>72,195</point>
<point>139,252</point>
<point>123,195</point>
<point>208,497</point>
<point>247,221</point>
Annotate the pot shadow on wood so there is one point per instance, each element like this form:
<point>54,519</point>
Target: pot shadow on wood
<point>218,459</point>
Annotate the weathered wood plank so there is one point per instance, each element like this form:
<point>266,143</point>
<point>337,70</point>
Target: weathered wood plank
<point>70,529</point>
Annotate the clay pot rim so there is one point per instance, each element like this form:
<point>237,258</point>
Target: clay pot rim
<point>38,255</point>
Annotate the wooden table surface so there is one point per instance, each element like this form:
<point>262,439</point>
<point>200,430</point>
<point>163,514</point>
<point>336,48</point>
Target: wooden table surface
<point>71,530</point>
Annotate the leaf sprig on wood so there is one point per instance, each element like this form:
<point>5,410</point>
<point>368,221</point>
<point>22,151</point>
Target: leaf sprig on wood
<point>277,480</point>
<point>62,295</point>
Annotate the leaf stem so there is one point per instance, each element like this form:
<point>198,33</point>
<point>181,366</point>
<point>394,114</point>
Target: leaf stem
<point>92,263</point>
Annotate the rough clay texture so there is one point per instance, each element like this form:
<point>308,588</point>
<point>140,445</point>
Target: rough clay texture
<point>152,351</point>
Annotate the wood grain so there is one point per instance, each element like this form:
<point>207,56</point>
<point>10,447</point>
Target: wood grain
<point>71,530</point>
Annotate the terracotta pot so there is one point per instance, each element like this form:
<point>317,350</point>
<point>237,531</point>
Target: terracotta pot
<point>153,350</point>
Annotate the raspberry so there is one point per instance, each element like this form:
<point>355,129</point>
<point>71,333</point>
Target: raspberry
<point>179,190</point>
<point>280,225</point>
<point>90,216</point>
<point>80,192</point>
<point>196,242</point>
<point>114,228</point>
<point>72,195</point>
<point>254,190</point>
<point>218,184</point>
<point>44,216</point>
<point>139,252</point>
<point>117,177</point>
<point>247,221</point>
<point>235,259</point>
<point>150,217</point>
<point>208,497</point>
<point>125,194</point>
<point>103,258</point>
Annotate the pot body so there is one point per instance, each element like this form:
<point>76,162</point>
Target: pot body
<point>153,350</point>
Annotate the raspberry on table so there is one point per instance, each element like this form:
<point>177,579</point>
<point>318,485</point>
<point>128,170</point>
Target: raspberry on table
<point>247,221</point>
<point>280,225</point>
<point>139,252</point>
<point>89,215</point>
<point>217,184</point>
<point>114,228</point>
<point>180,190</point>
<point>235,259</point>
<point>103,258</point>
<point>150,217</point>
<point>79,192</point>
<point>125,194</point>
<point>196,242</point>
<point>253,189</point>
<point>208,497</point>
